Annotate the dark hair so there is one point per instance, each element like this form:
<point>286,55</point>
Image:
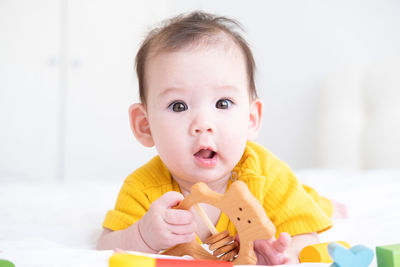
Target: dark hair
<point>189,29</point>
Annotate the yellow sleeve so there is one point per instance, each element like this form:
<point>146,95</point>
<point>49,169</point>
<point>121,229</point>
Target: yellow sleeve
<point>131,205</point>
<point>325,204</point>
<point>141,188</point>
<point>289,206</point>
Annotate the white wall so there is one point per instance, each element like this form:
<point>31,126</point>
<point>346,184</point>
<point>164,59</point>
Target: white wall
<point>67,78</point>
<point>66,82</point>
<point>297,44</point>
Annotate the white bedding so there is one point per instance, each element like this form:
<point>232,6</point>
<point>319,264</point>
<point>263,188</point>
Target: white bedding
<point>58,224</point>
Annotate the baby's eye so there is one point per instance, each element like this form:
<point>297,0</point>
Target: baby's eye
<point>223,104</point>
<point>178,106</point>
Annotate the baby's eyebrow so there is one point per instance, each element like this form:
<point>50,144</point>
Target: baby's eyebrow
<point>170,90</point>
<point>228,88</point>
<point>180,90</point>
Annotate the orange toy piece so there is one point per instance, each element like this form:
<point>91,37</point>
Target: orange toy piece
<point>242,208</point>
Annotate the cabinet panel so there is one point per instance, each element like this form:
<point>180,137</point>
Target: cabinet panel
<point>29,95</point>
<point>102,42</point>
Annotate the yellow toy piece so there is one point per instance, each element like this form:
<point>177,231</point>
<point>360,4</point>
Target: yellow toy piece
<point>132,260</point>
<point>318,252</point>
<point>129,260</point>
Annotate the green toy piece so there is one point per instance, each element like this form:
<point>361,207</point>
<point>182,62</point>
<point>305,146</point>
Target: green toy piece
<point>6,263</point>
<point>388,256</point>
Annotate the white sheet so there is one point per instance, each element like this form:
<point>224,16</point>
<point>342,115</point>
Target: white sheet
<point>58,224</point>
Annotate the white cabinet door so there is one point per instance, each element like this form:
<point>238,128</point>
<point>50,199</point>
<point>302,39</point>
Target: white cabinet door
<point>29,95</point>
<point>103,37</point>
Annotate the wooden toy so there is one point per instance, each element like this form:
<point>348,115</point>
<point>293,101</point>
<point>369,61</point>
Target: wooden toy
<point>388,256</point>
<point>318,252</point>
<point>357,256</point>
<point>242,208</point>
<point>6,263</point>
<point>129,260</point>
<point>222,244</point>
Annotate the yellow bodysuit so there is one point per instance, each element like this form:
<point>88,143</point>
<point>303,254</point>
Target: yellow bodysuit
<point>292,208</point>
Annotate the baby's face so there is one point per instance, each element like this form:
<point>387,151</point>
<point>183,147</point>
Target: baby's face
<point>198,110</point>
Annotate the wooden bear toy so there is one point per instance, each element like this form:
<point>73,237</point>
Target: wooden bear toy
<point>242,208</point>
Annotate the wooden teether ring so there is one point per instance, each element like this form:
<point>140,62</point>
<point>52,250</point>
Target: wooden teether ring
<point>224,248</point>
<point>222,244</point>
<point>242,208</point>
<point>230,256</point>
<point>215,238</point>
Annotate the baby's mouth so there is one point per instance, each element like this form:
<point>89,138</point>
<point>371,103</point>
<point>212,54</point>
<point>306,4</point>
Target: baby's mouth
<point>205,154</point>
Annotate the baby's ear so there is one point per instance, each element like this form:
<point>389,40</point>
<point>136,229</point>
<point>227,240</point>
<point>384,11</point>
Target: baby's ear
<point>140,124</point>
<point>256,113</point>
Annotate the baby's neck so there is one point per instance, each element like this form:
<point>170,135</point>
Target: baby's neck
<point>218,186</point>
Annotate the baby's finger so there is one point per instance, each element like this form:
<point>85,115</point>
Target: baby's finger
<point>237,239</point>
<point>269,253</point>
<point>282,242</point>
<point>170,199</point>
<point>178,217</point>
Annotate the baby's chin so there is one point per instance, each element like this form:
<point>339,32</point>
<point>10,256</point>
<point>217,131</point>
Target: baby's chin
<point>207,177</point>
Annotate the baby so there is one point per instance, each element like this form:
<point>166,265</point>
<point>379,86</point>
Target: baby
<point>200,109</point>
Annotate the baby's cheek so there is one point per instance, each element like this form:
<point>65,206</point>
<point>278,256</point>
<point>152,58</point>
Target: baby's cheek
<point>166,135</point>
<point>234,151</point>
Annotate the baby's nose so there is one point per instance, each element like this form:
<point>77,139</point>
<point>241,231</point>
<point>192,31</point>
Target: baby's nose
<point>200,126</point>
<point>201,130</point>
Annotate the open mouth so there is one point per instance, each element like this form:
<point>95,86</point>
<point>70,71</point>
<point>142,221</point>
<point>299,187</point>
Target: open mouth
<point>206,158</point>
<point>205,154</point>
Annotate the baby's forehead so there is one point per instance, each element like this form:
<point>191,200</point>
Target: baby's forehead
<point>214,50</point>
<point>211,41</point>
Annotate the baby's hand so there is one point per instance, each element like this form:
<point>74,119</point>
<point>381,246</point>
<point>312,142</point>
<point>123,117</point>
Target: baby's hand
<point>272,251</point>
<point>163,227</point>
